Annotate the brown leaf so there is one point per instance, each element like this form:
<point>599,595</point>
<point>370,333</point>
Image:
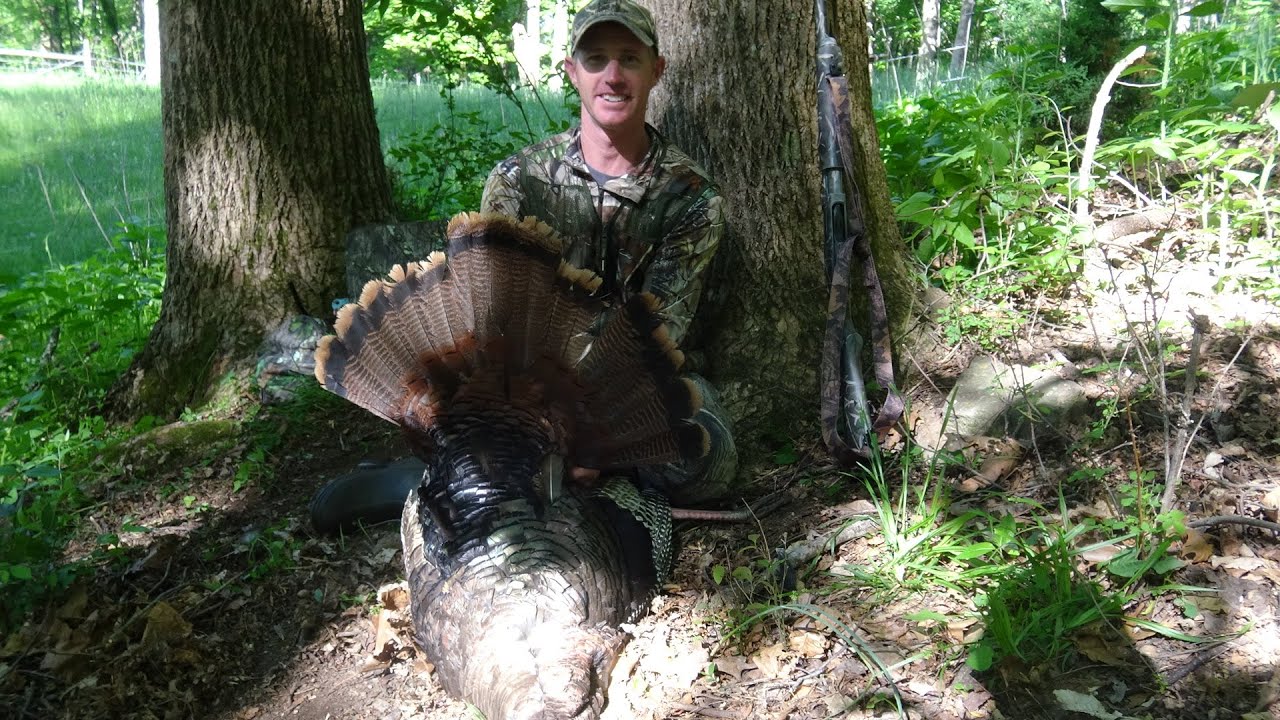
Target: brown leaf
<point>1102,553</point>
<point>73,607</point>
<point>165,627</point>
<point>772,661</point>
<point>394,596</point>
<point>731,665</point>
<point>1196,546</point>
<point>1272,499</point>
<point>1237,566</point>
<point>386,638</point>
<point>1000,460</point>
<point>1097,648</point>
<point>807,643</point>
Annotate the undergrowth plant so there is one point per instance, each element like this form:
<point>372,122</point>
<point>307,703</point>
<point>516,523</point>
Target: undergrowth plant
<point>980,195</point>
<point>69,332</point>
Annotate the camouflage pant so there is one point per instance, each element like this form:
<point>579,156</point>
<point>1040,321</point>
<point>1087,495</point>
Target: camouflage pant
<point>708,478</point>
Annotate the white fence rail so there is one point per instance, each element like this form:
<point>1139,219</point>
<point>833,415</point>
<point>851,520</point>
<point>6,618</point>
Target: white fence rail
<point>38,61</point>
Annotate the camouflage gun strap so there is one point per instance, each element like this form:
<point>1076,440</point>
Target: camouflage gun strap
<point>843,394</point>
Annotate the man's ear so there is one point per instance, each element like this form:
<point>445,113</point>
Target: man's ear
<point>659,67</point>
<point>570,69</point>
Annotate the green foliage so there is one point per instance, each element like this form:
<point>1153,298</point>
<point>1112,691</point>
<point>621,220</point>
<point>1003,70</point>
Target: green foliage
<point>1032,608</point>
<point>977,188</point>
<point>449,42</point>
<point>441,171</point>
<point>756,575</point>
<point>70,332</point>
<point>111,28</point>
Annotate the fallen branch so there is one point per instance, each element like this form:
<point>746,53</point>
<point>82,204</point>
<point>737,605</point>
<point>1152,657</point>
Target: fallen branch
<point>1202,657</point>
<point>1176,455</point>
<point>802,552</point>
<point>1235,520</point>
<point>1095,127</point>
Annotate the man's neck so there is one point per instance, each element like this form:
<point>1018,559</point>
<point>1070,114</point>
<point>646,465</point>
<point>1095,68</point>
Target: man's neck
<point>616,153</point>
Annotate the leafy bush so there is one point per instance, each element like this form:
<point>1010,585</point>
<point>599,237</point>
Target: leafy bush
<point>441,171</point>
<point>977,192</point>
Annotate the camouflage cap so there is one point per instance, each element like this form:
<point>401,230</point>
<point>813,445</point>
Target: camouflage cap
<point>624,12</point>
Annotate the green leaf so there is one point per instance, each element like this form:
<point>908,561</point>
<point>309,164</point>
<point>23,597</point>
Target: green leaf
<point>921,202</point>
<point>980,657</point>
<point>1204,9</point>
<point>1189,608</point>
<point>1127,564</point>
<point>1163,149</point>
<point>928,615</point>
<point>786,455</point>
<point>742,573</point>
<point>42,471</point>
<point>20,572</point>
<point>970,552</point>
<point>717,574</point>
<point>1244,177</point>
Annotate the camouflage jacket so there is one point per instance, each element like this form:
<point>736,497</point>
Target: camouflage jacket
<point>652,230</point>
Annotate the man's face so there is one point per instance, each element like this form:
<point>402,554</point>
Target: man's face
<point>614,72</point>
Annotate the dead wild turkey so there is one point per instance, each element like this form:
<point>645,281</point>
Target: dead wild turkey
<point>496,358</point>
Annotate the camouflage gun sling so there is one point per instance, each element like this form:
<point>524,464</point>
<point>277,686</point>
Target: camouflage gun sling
<point>845,416</point>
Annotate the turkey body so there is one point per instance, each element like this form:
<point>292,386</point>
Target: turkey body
<point>493,360</point>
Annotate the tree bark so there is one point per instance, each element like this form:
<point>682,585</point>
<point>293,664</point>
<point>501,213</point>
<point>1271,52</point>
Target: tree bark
<point>739,96</point>
<point>930,40</point>
<point>960,56</point>
<point>271,156</point>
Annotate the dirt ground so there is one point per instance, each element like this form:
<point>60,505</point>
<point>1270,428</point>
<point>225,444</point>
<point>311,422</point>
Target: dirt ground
<point>230,607</point>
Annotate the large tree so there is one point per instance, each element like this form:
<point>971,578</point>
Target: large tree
<point>271,156</point>
<point>739,96</point>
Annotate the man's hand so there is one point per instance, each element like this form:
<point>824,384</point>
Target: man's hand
<point>584,476</point>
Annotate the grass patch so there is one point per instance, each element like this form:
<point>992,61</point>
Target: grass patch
<point>77,157</point>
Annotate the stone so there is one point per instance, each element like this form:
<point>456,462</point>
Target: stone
<point>372,250</point>
<point>994,399</point>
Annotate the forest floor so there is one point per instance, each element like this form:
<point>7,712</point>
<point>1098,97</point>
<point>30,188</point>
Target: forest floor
<point>228,606</point>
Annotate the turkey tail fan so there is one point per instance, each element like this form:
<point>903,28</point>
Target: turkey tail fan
<point>646,418</point>
<point>499,322</point>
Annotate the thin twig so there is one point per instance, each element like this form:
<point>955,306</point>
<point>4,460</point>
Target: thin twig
<point>1204,656</point>
<point>92,213</point>
<point>709,712</point>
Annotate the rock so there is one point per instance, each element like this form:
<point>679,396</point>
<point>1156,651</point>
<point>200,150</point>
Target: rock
<point>373,249</point>
<point>994,399</point>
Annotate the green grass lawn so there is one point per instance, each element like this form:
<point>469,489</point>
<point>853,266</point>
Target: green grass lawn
<point>72,149</point>
<point>62,140</point>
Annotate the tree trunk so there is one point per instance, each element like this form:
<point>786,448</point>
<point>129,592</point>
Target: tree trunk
<point>739,96</point>
<point>930,40</point>
<point>271,156</point>
<point>960,55</point>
